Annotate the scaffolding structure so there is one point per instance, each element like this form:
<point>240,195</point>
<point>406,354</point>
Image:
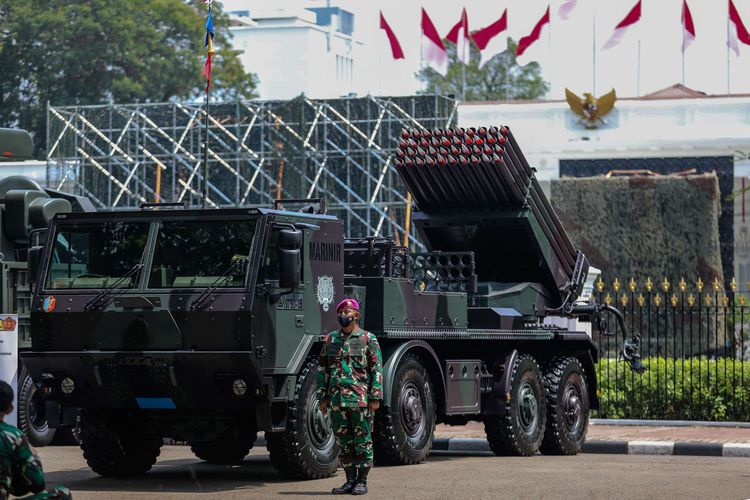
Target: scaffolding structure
<point>124,154</point>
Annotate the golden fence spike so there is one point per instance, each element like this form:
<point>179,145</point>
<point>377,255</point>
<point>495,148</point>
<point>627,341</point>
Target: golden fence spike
<point>641,300</point>
<point>682,285</point>
<point>733,284</point>
<point>608,299</point>
<point>699,284</point>
<point>665,285</point>
<point>725,300</point>
<point>657,300</point>
<point>742,300</point>
<point>691,300</point>
<point>632,285</point>
<point>624,300</point>
<point>716,284</point>
<point>649,284</point>
<point>600,285</point>
<point>673,300</point>
<point>616,285</point>
<point>708,299</point>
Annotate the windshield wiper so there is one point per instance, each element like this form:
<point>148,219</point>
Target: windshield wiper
<point>99,298</point>
<point>237,261</point>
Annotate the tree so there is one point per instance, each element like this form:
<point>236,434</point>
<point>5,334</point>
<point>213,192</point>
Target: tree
<point>70,52</point>
<point>500,78</point>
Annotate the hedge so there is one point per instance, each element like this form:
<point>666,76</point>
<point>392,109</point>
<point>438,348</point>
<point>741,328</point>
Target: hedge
<point>676,389</point>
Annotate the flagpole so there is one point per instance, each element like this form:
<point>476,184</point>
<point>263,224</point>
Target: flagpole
<point>205,151</point>
<point>728,55</point>
<point>549,54</point>
<point>638,72</point>
<point>593,50</point>
<point>463,82</point>
<point>683,59</point>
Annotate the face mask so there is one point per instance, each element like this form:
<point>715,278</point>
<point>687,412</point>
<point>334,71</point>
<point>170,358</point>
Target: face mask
<point>345,320</point>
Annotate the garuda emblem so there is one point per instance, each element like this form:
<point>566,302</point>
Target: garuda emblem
<point>324,291</point>
<point>589,108</point>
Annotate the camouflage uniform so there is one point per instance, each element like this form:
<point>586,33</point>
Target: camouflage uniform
<point>20,469</point>
<point>349,376</point>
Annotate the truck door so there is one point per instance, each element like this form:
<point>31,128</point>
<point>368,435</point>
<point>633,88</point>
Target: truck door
<point>282,314</point>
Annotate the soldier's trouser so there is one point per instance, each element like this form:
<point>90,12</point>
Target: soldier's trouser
<point>352,427</point>
<point>56,493</point>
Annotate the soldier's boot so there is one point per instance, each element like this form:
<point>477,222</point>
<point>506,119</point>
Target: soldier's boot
<point>348,486</point>
<point>360,487</point>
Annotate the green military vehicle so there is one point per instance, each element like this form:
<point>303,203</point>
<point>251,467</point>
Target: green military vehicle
<point>25,207</point>
<point>205,325</point>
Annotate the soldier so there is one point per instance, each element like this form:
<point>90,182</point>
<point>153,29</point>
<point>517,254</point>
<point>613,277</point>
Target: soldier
<point>20,467</point>
<point>350,380</point>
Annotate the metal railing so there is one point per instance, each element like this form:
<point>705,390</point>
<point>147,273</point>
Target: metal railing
<point>694,338</point>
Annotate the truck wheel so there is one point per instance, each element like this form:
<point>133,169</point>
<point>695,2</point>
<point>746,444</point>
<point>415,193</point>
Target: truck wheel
<point>32,417</point>
<point>231,447</point>
<point>307,448</point>
<point>117,446</point>
<point>521,429</point>
<point>567,406</point>
<point>403,435</point>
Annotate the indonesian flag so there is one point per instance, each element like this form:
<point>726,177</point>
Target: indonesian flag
<point>688,28</point>
<point>433,50</point>
<point>525,42</point>
<point>566,8</point>
<point>489,41</point>
<point>633,17</point>
<point>463,45</point>
<point>396,50</point>
<point>737,31</point>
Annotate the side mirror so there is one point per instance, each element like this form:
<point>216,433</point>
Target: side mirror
<point>34,257</point>
<point>290,258</point>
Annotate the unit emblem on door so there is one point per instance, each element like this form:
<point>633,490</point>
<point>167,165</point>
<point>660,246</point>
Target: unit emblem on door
<point>325,291</point>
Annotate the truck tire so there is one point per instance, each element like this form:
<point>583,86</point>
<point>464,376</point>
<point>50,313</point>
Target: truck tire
<point>231,447</point>
<point>117,446</point>
<point>32,418</point>
<point>307,448</point>
<point>404,431</point>
<point>520,431</point>
<point>567,406</point>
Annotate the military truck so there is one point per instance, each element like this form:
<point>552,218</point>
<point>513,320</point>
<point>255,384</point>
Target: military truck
<point>25,207</point>
<point>205,325</point>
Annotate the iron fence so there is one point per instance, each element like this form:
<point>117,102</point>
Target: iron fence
<point>695,338</point>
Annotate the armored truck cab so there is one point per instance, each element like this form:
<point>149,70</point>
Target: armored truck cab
<point>205,325</point>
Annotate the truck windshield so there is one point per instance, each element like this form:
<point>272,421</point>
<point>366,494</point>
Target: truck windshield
<point>86,255</point>
<point>197,254</point>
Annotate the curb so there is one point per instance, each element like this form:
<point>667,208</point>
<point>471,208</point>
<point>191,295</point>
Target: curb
<point>667,423</point>
<point>683,448</point>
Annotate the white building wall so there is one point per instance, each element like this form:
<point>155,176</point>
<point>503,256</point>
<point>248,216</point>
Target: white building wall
<point>292,55</point>
<point>547,131</point>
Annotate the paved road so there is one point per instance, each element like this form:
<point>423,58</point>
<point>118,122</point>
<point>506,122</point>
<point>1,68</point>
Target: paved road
<point>178,474</point>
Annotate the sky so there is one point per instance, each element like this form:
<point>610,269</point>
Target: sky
<point>649,58</point>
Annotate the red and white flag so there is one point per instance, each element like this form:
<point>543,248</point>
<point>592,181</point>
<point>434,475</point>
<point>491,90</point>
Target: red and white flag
<point>489,41</point>
<point>688,28</point>
<point>396,50</point>
<point>737,31</point>
<point>433,50</point>
<point>633,17</point>
<point>463,43</point>
<point>525,42</point>
<point>563,12</point>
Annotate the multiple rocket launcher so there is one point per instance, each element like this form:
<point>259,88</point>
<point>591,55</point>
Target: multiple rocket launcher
<point>484,170</point>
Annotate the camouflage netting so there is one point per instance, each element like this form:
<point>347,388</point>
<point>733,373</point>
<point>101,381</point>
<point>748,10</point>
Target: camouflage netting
<point>644,226</point>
